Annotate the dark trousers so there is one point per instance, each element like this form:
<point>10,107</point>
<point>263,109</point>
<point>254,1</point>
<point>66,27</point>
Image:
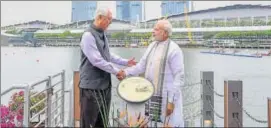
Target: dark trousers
<point>95,106</point>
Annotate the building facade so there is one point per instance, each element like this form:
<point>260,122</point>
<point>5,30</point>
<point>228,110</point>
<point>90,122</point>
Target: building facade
<point>228,16</point>
<point>119,6</point>
<point>129,10</point>
<point>83,10</point>
<point>174,7</point>
<point>30,26</point>
<point>123,10</point>
<point>136,11</point>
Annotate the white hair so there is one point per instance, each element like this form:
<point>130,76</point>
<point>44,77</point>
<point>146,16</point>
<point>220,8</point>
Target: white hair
<point>102,11</point>
<point>166,26</point>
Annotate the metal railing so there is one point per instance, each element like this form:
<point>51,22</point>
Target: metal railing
<point>208,110</point>
<point>54,101</point>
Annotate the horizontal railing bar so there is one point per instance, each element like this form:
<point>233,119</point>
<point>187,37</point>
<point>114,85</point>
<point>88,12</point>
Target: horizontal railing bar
<point>12,88</point>
<point>38,114</point>
<point>57,99</point>
<point>56,108</point>
<point>38,103</point>
<point>56,116</point>
<point>40,122</point>
<point>44,80</point>
<point>42,91</point>
<point>58,123</point>
<point>38,93</point>
<point>39,82</point>
<point>58,74</point>
<point>57,91</point>
<point>56,83</point>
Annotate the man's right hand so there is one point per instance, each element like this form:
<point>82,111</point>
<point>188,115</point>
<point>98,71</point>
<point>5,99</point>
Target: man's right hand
<point>131,62</point>
<point>121,75</point>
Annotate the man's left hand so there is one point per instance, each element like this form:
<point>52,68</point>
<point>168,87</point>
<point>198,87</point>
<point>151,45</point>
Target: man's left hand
<point>170,108</point>
<point>131,62</point>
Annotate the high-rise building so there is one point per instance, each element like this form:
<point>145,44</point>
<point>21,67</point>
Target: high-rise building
<point>123,10</point>
<point>129,10</point>
<point>174,7</point>
<point>119,6</point>
<point>83,10</point>
<point>135,11</point>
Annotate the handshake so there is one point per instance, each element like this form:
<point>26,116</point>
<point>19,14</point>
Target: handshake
<point>121,74</point>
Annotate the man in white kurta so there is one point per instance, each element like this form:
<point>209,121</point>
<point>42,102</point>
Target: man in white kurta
<point>172,73</point>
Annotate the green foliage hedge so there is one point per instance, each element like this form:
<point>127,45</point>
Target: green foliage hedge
<point>240,34</point>
<point>125,35</point>
<point>65,34</point>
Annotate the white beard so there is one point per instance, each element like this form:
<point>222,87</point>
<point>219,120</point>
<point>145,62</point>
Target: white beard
<point>159,40</point>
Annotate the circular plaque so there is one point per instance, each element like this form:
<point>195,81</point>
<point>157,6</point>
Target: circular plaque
<point>135,89</point>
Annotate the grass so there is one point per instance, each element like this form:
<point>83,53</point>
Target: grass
<point>124,118</point>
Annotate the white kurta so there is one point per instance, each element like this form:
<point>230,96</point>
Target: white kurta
<point>173,79</point>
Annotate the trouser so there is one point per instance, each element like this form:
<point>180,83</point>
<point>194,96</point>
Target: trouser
<point>95,106</point>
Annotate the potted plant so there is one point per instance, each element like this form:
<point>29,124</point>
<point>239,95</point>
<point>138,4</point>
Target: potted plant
<point>16,106</point>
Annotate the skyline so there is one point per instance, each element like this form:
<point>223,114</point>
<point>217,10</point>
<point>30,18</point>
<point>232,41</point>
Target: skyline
<point>13,12</point>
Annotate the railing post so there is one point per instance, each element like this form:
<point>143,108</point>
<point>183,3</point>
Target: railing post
<point>56,111</point>
<point>49,93</point>
<point>26,107</point>
<point>70,121</point>
<point>207,96</point>
<point>269,112</point>
<point>76,99</point>
<point>233,95</point>
<point>63,96</point>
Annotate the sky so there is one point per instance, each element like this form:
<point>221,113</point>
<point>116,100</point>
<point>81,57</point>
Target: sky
<point>59,12</point>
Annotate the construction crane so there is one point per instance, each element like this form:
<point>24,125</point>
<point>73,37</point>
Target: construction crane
<point>187,22</point>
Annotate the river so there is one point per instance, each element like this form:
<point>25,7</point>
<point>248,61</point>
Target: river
<point>23,65</point>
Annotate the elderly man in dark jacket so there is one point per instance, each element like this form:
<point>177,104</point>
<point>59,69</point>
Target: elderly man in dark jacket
<point>95,69</point>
